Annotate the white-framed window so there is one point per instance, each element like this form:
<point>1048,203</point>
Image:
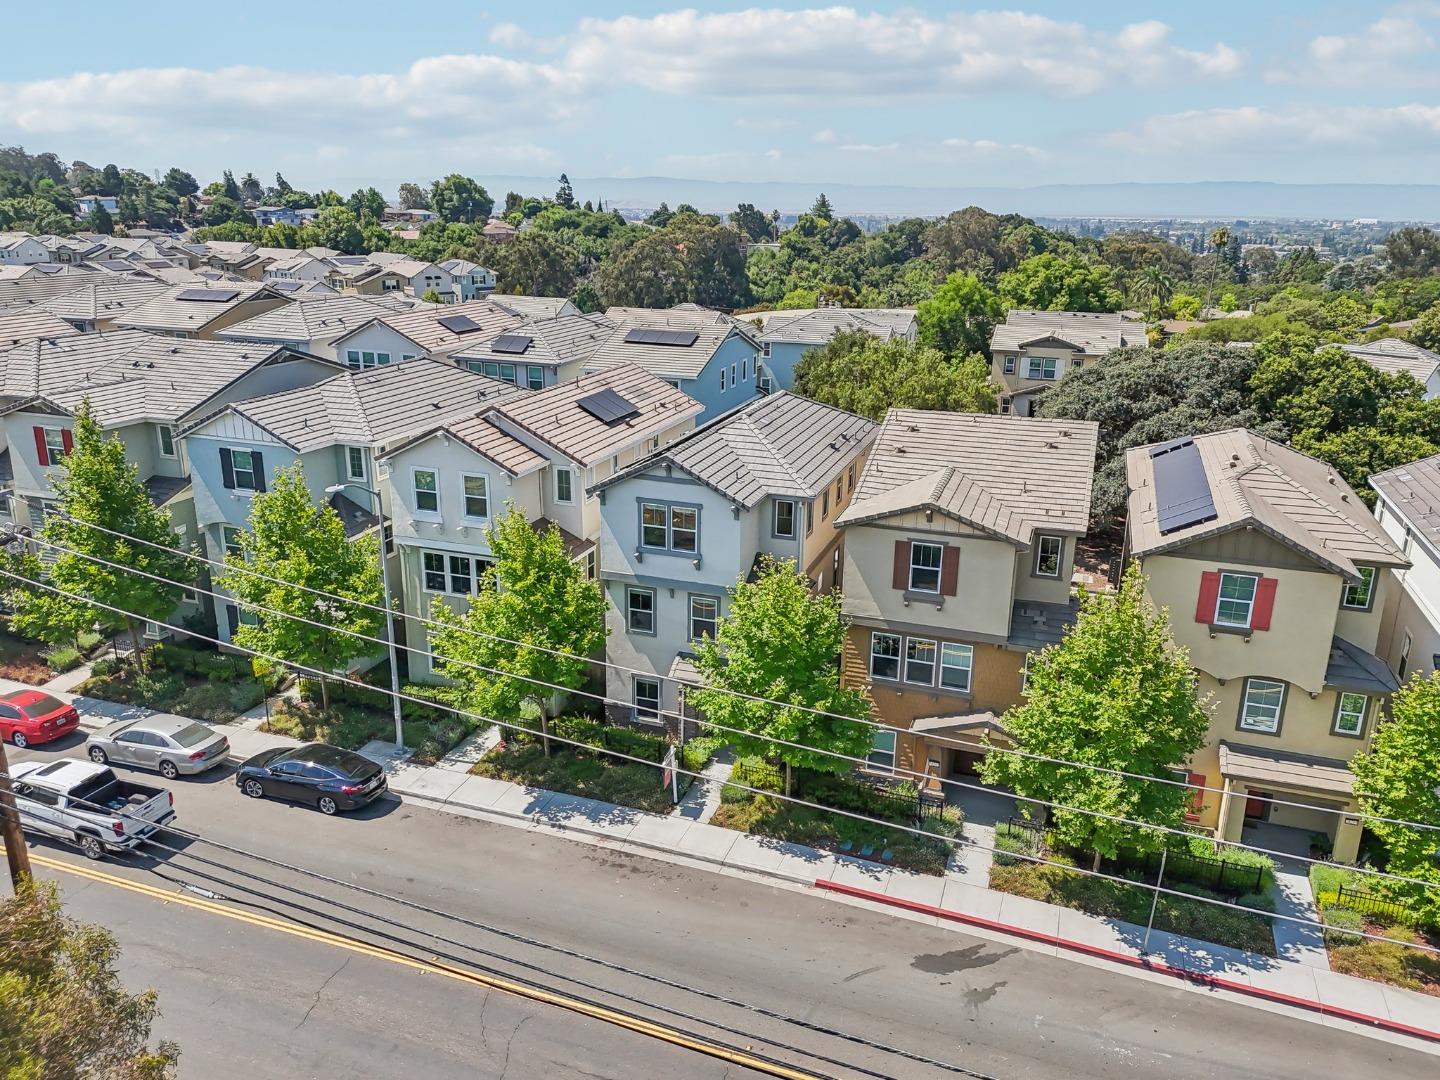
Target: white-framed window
<point>242,465</point>
<point>230,538</point>
<point>1009,363</point>
<point>355,463</point>
<point>1405,644</point>
<point>925,566</point>
<point>365,359</point>
<point>639,610</point>
<point>765,349</point>
<point>652,444</point>
<point>1262,705</point>
<point>646,696</point>
<point>1048,550</point>
<point>722,378</point>
<point>850,478</point>
<point>704,615</point>
<point>920,661</point>
<point>1360,595</point>
<point>477,495</point>
<point>809,517</point>
<point>1025,672</point>
<point>745,370</point>
<point>670,527</point>
<point>433,565</point>
<point>885,656</point>
<point>881,757</point>
<point>427,490</point>
<point>462,575</point>
<point>733,380</point>
<point>1040,367</point>
<point>54,444</point>
<point>534,377</point>
<point>1350,713</point>
<point>1005,408</point>
<point>825,503</point>
<point>956,663</point>
<point>1236,603</point>
<point>591,566</point>
<point>167,440</point>
<point>564,485</point>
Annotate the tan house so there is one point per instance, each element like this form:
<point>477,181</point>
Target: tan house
<point>1273,572</point>
<point>959,548</point>
<point>199,311</point>
<point>1031,351</point>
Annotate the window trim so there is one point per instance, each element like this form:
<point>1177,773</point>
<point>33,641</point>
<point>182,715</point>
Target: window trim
<point>1370,583</point>
<point>635,708</point>
<point>235,470</point>
<point>161,430</point>
<point>879,734</point>
<point>1250,680</point>
<point>465,496</point>
<point>350,454</point>
<point>1359,732</point>
<point>940,666</point>
<point>899,657</point>
<point>642,590</point>
<point>1407,642</point>
<point>938,568</point>
<point>669,508</point>
<point>569,474</point>
<point>690,616</point>
<point>933,662</point>
<point>1053,362</point>
<point>1220,598</point>
<point>1008,364</point>
<point>415,509</point>
<point>225,541</point>
<point>425,570</point>
<point>1040,540</point>
<point>775,533</point>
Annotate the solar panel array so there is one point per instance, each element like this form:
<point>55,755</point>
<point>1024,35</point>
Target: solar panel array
<point>511,343</point>
<point>653,335</point>
<point>459,324</point>
<point>608,407</point>
<point>286,286</point>
<point>209,296</point>
<point>1182,491</point>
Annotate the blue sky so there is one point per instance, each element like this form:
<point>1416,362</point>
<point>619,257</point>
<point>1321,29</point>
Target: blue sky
<point>922,94</point>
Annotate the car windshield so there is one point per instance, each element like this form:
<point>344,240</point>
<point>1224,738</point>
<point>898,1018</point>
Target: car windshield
<point>192,735</point>
<point>342,761</point>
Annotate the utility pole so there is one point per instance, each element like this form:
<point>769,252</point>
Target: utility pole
<point>16,853</point>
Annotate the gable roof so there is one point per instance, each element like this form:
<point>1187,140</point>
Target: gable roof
<point>1092,332</point>
<point>324,317</point>
<point>821,324</point>
<point>1413,492</point>
<point>536,307</point>
<point>78,296</point>
<point>711,329</point>
<point>30,324</point>
<point>1393,357</point>
<point>1009,476</point>
<point>1257,483</point>
<point>175,309</point>
<point>556,341</point>
<point>422,324</point>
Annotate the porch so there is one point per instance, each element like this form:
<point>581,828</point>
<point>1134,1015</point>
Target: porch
<point>1315,795</point>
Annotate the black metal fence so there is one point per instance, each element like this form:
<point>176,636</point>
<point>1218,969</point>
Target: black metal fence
<point>1218,874</point>
<point>1369,904</point>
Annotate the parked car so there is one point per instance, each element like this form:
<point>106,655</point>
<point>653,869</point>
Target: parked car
<point>31,717</point>
<point>75,799</point>
<point>171,745</point>
<point>331,778</point>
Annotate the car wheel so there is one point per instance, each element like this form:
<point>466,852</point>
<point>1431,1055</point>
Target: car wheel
<point>327,805</point>
<point>98,756</point>
<point>92,847</point>
<point>168,770</point>
<point>19,739</point>
<point>254,789</point>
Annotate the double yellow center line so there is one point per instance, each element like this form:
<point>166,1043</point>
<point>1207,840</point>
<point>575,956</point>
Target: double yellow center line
<point>490,982</point>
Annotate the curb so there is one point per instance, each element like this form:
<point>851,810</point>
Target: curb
<point>1157,966</point>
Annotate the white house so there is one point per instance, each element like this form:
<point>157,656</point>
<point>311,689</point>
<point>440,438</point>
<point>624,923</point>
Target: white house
<point>1408,509</point>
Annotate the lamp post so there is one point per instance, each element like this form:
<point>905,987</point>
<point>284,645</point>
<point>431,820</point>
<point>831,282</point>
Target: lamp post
<point>335,489</point>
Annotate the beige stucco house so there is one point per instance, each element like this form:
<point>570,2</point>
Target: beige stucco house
<point>1031,351</point>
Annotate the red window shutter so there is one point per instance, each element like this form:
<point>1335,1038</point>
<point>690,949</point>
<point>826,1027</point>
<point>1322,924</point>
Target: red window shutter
<point>1209,596</point>
<point>900,577</point>
<point>1264,603</point>
<point>67,440</point>
<point>42,454</point>
<point>950,571</point>
<point>1197,797</point>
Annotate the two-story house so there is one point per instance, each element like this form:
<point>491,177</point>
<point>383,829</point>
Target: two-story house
<point>200,311</point>
<point>388,272</point>
<point>680,527</point>
<point>21,249</point>
<point>431,330</point>
<point>787,336</point>
<point>1275,575</point>
<point>537,451</point>
<point>472,281</point>
<point>959,554</point>
<point>543,352</point>
<point>1033,350</point>
<point>1408,509</point>
<point>311,326</point>
<point>298,266</point>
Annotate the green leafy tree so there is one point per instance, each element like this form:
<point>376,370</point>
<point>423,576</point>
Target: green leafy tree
<point>1219,240</point>
<point>564,194</point>
<point>1050,282</point>
<point>458,198</point>
<point>821,208</point>
<point>304,547</point>
<point>660,216</point>
<point>64,1013</point>
<point>110,182</point>
<point>534,593</point>
<point>229,188</point>
<point>861,374</point>
<point>334,227</point>
<point>1185,306</point>
<point>431,297</point>
<point>1398,777</point>
<point>782,642</point>
<point>99,220</point>
<point>1413,251</point>
<point>1116,692</point>
<point>750,221</point>
<point>98,487</point>
<point>251,189</point>
<point>413,197</point>
<point>367,202</point>
<point>960,315</point>
<point>181,182</point>
<point>1154,287</point>
<point>535,263</point>
<point>1426,331</point>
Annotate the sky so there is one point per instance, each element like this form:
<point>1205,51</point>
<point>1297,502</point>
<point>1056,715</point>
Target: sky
<point>925,94</point>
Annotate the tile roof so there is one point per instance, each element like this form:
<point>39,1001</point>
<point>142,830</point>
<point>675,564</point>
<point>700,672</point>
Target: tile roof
<point>170,310</point>
<point>820,325</point>
<point>1352,668</point>
<point>712,330</point>
<point>482,436</point>
<point>1006,475</point>
<point>28,325</point>
<point>1094,333</point>
<point>783,445</point>
<point>78,296</point>
<point>536,307</point>
<point>556,341</point>
<point>1393,357</point>
<point>1035,624</point>
<point>1266,766</point>
<point>1257,483</point>
<point>324,317</point>
<point>1413,491</point>
<point>354,517</point>
<point>162,489</point>
<point>422,324</point>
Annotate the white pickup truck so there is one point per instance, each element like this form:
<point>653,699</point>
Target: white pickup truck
<point>88,804</point>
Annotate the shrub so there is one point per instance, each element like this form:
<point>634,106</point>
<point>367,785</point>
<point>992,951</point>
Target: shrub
<point>63,658</point>
<point>1338,921</point>
<point>1012,840</point>
<point>697,753</point>
<point>755,772</point>
<point>107,667</point>
<point>208,701</point>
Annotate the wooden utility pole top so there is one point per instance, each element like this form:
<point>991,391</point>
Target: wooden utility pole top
<point>16,853</point>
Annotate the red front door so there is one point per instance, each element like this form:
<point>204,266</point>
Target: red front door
<point>1255,804</point>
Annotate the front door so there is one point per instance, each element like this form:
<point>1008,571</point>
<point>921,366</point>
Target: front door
<point>1257,806</point>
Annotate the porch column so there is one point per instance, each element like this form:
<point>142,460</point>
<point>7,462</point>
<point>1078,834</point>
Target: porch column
<point>1347,836</point>
<point>1230,825</point>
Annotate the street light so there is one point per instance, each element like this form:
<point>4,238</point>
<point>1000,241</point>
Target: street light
<point>335,489</point>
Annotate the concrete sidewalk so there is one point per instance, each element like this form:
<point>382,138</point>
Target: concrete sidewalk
<point>957,897</point>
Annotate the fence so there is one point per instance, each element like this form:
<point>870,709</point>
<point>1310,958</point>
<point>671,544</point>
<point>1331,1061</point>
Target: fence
<point>1218,874</point>
<point>1368,904</point>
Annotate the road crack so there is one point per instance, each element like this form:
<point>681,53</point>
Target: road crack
<point>321,990</point>
<point>505,1066</point>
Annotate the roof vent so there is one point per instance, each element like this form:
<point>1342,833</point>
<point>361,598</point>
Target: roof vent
<point>899,450</point>
<point>912,427</point>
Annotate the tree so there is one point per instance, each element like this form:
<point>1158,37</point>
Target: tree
<point>110,182</point>
<point>1115,692</point>
<point>334,227</point>
<point>431,297</point>
<point>514,202</point>
<point>821,208</point>
<point>64,1013</point>
<point>1049,282</point>
<point>251,189</point>
<point>367,202</point>
<point>1219,239</point>
<point>222,210</point>
<point>98,220</point>
<point>294,541</point>
<point>1398,777</point>
<point>1426,331</point>
<point>861,374</point>
<point>535,263</point>
<point>533,593</point>
<point>98,487</point>
<point>413,197</point>
<point>1154,287</point>
<point>753,223</point>
<point>458,198</point>
<point>181,182</point>
<point>649,272</point>
<point>960,315</point>
<point>1413,251</point>
<point>660,216</point>
<point>229,188</point>
<point>564,196</point>
<point>782,642</point>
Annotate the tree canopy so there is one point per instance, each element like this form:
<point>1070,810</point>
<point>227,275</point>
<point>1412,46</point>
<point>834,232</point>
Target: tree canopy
<point>960,315</point>
<point>1050,282</point>
<point>862,374</point>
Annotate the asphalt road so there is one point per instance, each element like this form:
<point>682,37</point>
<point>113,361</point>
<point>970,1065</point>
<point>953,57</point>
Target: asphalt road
<point>252,1000</point>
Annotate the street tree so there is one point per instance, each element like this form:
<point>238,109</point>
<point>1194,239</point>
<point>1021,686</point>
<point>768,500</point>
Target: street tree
<point>1116,693</point>
<point>782,642</point>
<point>861,374</point>
<point>318,573</point>
<point>535,594</point>
<point>458,198</point>
<point>959,316</point>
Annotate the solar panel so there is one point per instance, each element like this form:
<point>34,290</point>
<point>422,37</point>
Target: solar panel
<point>209,296</point>
<point>286,286</point>
<point>459,324</point>
<point>608,407</point>
<point>116,264</point>
<point>1182,492</point>
<point>511,343</point>
<point>654,335</point>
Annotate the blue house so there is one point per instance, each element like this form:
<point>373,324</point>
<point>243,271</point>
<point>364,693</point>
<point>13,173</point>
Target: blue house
<point>786,336</point>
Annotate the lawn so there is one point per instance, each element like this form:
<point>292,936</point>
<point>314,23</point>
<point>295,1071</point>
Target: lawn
<point>186,680</point>
<point>1381,961</point>
<point>592,774</point>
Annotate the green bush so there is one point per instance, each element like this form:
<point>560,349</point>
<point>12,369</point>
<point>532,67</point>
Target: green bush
<point>107,667</point>
<point>591,775</point>
<point>1339,920</point>
<point>63,658</point>
<point>698,753</point>
<point>755,772</point>
<point>1012,840</point>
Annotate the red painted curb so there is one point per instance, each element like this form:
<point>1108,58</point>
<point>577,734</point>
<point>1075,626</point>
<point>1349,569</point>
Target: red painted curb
<point>1156,966</point>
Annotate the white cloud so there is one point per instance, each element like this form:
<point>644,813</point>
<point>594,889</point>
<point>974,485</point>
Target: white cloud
<point>1400,129</point>
<point>827,135</point>
<point>509,36</point>
<point>765,123</point>
<point>985,148</point>
<point>1382,53</point>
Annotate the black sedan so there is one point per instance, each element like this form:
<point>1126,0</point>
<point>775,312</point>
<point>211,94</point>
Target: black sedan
<point>330,778</point>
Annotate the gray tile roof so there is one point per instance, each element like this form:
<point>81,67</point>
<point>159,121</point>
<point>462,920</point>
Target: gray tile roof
<point>171,312</point>
<point>555,342</point>
<point>1413,491</point>
<point>421,324</point>
<point>1006,475</point>
<point>1034,624</point>
<point>79,296</point>
<point>536,307</point>
<point>28,325</point>
<point>324,318</point>
<point>1394,357</point>
<point>1093,333</point>
<point>712,328</point>
<point>353,516</point>
<point>820,325</point>
<point>162,489</point>
<point>1352,668</point>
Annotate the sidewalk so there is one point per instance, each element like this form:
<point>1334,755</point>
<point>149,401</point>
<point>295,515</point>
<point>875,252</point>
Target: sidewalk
<point>1300,978</point>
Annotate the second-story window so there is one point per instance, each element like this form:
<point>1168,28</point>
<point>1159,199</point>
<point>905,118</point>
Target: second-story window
<point>1047,556</point>
<point>925,567</point>
<point>355,463</point>
<point>920,661</point>
<point>885,656</point>
<point>640,610</point>
<point>1350,714</point>
<point>167,440</point>
<point>1009,365</point>
<point>1262,705</point>
<point>704,614</point>
<point>230,537</point>
<point>825,503</point>
<point>956,662</point>
<point>782,519</point>
<point>666,527</point>
<point>477,496</point>
<point>1040,367</point>
<point>564,485</point>
<point>1236,604</point>
<point>1360,595</point>
<point>427,491</point>
<point>242,463</point>
<point>534,377</point>
<point>56,445</point>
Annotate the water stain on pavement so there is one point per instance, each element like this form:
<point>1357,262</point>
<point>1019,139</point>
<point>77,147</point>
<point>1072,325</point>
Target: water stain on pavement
<point>979,995</point>
<point>956,960</point>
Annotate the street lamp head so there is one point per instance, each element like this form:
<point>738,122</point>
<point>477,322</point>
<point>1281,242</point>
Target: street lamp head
<point>335,489</point>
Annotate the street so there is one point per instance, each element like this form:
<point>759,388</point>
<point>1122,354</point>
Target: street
<point>864,984</point>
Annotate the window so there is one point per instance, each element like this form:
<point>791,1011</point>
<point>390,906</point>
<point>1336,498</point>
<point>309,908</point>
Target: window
<point>920,661</point>
<point>825,503</point>
<point>1237,599</point>
<point>54,444</point>
<point>1009,365</point>
<point>722,379</point>
<point>1263,702</point>
<point>590,565</point>
<point>652,444</point>
<point>1040,367</point>
<point>704,613</point>
<point>1404,656</point>
<point>364,359</point>
<point>925,567</point>
<point>1359,596</point>
<point>885,656</point>
<point>745,370</point>
<point>242,462</point>
<point>427,491</point>
<point>564,486</point>
<point>355,463</point>
<point>765,349</point>
<point>640,610</point>
<point>1047,556</point>
<point>461,581</point>
<point>684,528</point>
<point>434,567</point>
<point>782,519</point>
<point>652,525</point>
<point>733,381</point>
<point>1350,714</point>
<point>664,527</point>
<point>230,537</point>
<point>167,440</point>
<point>956,662</point>
<point>477,495</point>
<point>882,751</point>
<point>505,372</point>
<point>647,699</point>
<point>535,377</point>
<point>1025,672</point>
<point>839,490</point>
<point>850,478</point>
<point>809,517</point>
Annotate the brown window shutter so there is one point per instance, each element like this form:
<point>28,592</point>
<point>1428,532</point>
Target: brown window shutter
<point>950,571</point>
<point>1264,603</point>
<point>900,577</point>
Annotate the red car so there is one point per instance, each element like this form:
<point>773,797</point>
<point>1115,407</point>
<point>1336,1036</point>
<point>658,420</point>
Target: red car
<point>30,717</point>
